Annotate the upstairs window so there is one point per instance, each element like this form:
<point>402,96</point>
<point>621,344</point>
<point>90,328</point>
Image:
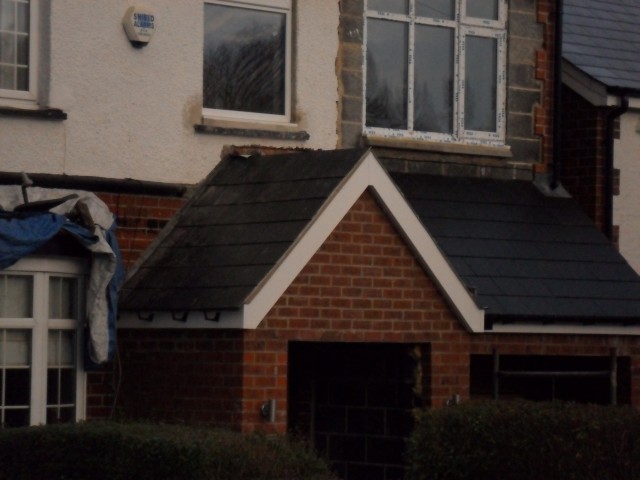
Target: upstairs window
<point>18,19</point>
<point>436,69</point>
<point>247,60</point>
<point>41,309</point>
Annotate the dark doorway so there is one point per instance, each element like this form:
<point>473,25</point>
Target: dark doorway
<point>352,402</point>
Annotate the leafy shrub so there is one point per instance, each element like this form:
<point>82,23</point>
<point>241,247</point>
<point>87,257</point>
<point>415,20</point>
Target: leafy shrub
<point>526,441</point>
<point>101,451</point>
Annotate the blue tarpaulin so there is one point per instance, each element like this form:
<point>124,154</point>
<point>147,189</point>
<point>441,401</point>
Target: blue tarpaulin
<point>21,234</point>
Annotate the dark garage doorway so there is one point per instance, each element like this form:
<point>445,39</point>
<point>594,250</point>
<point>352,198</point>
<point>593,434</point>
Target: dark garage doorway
<point>352,402</point>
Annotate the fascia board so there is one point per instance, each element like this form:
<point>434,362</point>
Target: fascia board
<point>565,329</point>
<point>194,320</point>
<point>367,173</point>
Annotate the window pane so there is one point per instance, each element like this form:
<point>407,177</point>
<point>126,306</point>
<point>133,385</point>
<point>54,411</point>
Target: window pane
<point>393,6</point>
<point>17,387</point>
<point>436,8</point>
<point>434,79</point>
<point>23,18</point>
<point>7,77</point>
<point>61,349</point>
<point>7,15</point>
<point>387,74</point>
<point>244,60</point>
<point>22,53</point>
<point>15,348</point>
<point>61,415</point>
<point>61,375</point>
<point>15,295</point>
<point>8,47</point>
<point>481,59</point>
<point>483,9</point>
<point>62,297</point>
<point>16,418</point>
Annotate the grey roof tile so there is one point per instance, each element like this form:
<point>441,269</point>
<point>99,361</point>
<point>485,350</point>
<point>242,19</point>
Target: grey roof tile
<point>520,253</point>
<point>524,254</point>
<point>603,39</point>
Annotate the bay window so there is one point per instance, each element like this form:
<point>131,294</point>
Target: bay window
<point>41,318</point>
<point>436,70</point>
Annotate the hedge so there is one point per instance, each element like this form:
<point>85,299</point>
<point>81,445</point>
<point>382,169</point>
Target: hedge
<point>525,441</point>
<point>101,451</point>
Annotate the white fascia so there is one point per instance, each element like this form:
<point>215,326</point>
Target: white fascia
<point>565,329</point>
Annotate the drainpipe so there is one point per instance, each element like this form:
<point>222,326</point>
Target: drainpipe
<point>611,117</point>
<point>557,97</point>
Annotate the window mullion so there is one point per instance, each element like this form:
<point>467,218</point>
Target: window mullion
<point>39,349</point>
<point>411,66</point>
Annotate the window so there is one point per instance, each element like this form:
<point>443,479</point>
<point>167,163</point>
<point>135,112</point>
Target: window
<point>435,70</point>
<point>18,54</point>
<point>247,60</point>
<point>41,379</point>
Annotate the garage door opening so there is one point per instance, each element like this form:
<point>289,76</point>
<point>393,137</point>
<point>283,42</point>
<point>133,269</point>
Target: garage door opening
<point>352,402</point>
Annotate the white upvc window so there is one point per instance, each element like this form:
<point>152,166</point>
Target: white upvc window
<point>18,52</point>
<point>42,379</point>
<point>436,70</point>
<point>247,60</point>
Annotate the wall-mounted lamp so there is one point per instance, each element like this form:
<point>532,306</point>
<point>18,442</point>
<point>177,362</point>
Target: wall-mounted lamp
<point>139,24</point>
<point>268,410</point>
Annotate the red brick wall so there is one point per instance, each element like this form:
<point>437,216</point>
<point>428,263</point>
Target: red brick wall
<point>140,218</point>
<point>192,376</point>
<point>546,15</point>
<point>363,285</point>
<point>583,153</point>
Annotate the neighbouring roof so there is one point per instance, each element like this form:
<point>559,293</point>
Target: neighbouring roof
<point>602,38</point>
<point>523,255</point>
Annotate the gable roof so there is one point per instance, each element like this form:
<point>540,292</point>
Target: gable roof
<point>254,224</point>
<point>500,251</point>
<point>525,254</point>
<point>603,40</point>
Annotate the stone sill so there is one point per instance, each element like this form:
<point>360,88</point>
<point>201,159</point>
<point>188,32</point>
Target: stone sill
<point>38,114</point>
<point>275,131</point>
<point>441,147</point>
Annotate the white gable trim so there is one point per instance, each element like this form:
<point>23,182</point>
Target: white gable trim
<point>368,173</point>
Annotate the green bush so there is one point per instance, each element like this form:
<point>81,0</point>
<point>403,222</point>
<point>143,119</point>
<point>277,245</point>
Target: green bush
<point>101,451</point>
<point>526,441</point>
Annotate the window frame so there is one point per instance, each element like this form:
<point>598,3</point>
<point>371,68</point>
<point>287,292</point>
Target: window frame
<point>27,98</point>
<point>276,6</point>
<point>462,26</point>
<point>41,269</point>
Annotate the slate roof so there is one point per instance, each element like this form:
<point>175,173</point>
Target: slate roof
<point>234,229</point>
<point>523,253</point>
<point>602,38</point>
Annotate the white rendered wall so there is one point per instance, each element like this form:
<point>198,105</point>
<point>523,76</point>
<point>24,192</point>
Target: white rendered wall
<point>131,111</point>
<point>627,204</point>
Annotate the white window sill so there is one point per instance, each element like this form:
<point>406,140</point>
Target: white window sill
<point>440,147</point>
<point>253,129</point>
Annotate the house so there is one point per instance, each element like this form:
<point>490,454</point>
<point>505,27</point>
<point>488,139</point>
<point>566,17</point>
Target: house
<point>377,223</point>
<point>599,103</point>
